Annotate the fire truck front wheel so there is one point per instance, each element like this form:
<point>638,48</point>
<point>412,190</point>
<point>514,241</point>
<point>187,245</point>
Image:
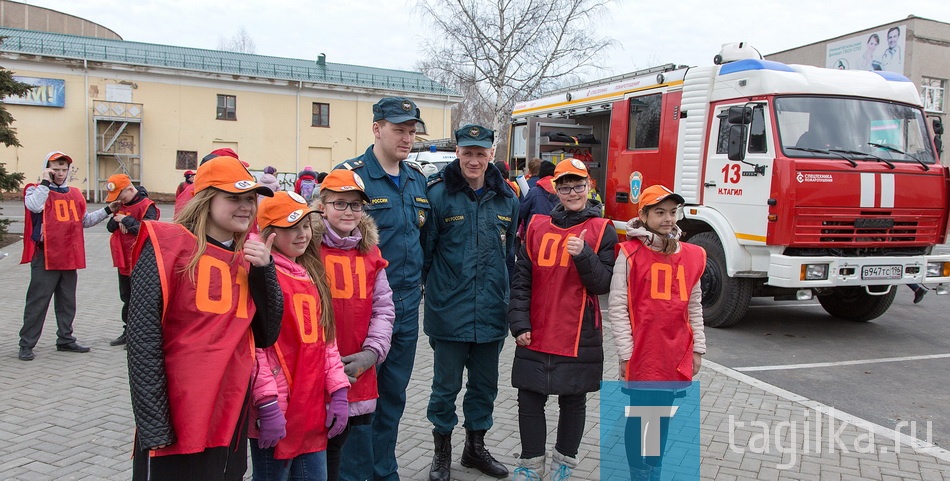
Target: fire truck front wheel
<point>855,304</point>
<point>725,299</point>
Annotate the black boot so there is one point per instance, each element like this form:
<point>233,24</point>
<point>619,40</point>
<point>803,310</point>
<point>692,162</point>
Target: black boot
<point>119,341</point>
<point>441,469</point>
<point>476,456</point>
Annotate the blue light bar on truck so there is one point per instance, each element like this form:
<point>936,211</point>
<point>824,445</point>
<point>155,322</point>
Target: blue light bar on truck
<point>753,64</point>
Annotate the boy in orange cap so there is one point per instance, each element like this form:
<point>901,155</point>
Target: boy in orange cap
<point>134,207</point>
<point>559,338</point>
<point>53,245</point>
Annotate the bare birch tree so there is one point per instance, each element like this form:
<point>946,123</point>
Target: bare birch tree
<point>512,49</point>
<point>241,42</point>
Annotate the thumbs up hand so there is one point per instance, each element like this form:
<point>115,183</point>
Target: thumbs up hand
<point>257,252</point>
<point>576,244</point>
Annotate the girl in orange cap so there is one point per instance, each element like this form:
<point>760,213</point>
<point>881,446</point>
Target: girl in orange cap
<point>301,374</point>
<point>655,308</point>
<point>202,298</point>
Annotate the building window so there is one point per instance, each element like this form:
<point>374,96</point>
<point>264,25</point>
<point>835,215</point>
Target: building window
<point>321,115</point>
<point>643,128</point>
<point>186,160</point>
<point>931,93</point>
<point>227,107</point>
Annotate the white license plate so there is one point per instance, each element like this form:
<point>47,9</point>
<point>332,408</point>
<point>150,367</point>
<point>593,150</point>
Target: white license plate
<point>881,272</point>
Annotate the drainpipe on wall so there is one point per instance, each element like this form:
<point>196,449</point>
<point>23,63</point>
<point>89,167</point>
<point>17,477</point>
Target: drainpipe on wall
<point>297,122</point>
<point>85,95</point>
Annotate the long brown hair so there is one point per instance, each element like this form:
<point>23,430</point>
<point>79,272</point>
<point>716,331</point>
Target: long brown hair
<point>311,261</point>
<point>670,244</point>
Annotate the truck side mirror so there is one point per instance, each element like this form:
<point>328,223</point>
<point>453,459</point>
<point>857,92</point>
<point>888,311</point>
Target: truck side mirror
<point>740,115</point>
<point>736,149</point>
<point>938,126</point>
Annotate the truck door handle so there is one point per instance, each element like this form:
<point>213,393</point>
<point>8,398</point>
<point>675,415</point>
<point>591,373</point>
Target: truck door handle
<point>709,184</point>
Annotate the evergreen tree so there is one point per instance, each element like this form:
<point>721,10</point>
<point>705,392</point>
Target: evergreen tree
<point>12,180</point>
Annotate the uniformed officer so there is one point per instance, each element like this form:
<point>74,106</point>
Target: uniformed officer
<point>466,242</point>
<point>400,208</point>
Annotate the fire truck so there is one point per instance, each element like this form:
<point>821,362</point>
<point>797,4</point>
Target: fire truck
<point>799,181</point>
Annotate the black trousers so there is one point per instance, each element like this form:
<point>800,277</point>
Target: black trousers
<point>125,293</point>
<point>60,286</point>
<point>533,426</point>
<point>335,445</point>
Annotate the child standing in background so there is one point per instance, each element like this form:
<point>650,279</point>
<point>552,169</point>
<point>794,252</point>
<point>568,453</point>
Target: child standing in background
<point>302,372</point>
<point>134,207</point>
<point>362,301</point>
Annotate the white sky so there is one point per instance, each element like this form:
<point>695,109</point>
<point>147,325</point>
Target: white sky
<point>389,33</point>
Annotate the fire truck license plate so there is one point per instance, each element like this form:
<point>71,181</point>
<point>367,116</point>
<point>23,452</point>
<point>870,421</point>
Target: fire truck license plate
<point>881,272</point>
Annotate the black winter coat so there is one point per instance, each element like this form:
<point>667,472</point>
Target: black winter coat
<point>550,373</point>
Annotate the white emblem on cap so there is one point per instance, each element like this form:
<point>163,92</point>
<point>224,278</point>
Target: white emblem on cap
<point>474,132</point>
<point>578,164</point>
<point>358,180</point>
<point>294,216</point>
<point>297,197</point>
<point>110,186</point>
<point>407,106</point>
<point>244,184</point>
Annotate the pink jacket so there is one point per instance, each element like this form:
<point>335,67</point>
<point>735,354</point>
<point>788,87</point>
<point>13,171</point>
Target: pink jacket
<point>379,337</point>
<point>269,380</point>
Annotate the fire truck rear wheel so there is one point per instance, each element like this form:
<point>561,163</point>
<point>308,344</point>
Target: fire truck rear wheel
<point>855,304</point>
<point>725,299</point>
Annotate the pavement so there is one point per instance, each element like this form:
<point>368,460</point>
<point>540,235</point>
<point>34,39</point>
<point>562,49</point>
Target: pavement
<point>67,416</point>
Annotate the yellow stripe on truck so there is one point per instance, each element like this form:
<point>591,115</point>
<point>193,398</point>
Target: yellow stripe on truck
<point>618,95</point>
<point>750,237</point>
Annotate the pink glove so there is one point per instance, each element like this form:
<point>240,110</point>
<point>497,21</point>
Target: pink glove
<point>272,424</point>
<point>337,412</point>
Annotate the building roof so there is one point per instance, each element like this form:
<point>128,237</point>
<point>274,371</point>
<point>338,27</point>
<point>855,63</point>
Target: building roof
<point>214,61</point>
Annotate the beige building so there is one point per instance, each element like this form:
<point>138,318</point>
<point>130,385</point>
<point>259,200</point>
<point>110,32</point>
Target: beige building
<point>153,111</point>
<point>917,48</point>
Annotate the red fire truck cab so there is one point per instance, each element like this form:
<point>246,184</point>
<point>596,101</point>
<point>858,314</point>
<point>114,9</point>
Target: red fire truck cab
<point>799,181</point>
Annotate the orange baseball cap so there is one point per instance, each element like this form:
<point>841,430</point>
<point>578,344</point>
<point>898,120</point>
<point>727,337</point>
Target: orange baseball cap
<point>655,194</point>
<point>570,167</point>
<point>284,209</point>
<point>229,175</point>
<point>342,180</point>
<point>115,185</point>
<point>57,155</point>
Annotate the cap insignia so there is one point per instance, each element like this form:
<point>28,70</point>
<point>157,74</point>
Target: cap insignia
<point>297,197</point>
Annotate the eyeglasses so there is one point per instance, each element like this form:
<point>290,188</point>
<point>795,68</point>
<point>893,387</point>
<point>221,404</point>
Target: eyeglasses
<point>566,189</point>
<point>341,205</point>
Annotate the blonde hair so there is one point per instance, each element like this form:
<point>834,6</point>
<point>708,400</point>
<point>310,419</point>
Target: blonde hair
<point>313,264</point>
<point>195,217</point>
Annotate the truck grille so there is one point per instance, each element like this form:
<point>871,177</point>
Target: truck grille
<point>828,226</point>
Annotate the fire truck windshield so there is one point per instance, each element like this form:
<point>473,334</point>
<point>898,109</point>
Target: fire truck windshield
<point>867,130</point>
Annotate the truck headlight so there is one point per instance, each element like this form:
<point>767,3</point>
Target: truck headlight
<point>814,272</point>
<point>938,269</point>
